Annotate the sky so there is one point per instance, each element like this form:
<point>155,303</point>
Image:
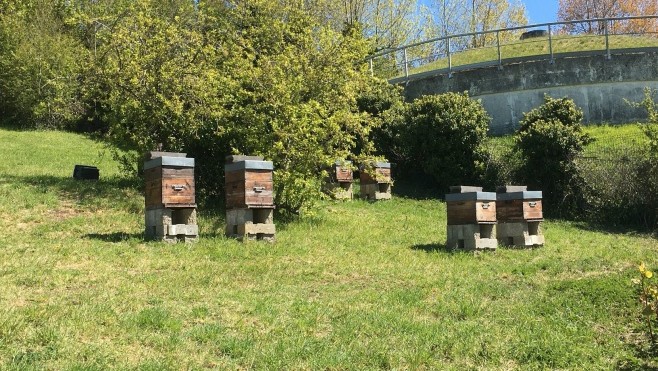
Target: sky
<point>541,11</point>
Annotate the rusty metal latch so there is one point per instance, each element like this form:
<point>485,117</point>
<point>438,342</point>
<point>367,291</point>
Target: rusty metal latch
<point>532,204</point>
<point>178,187</point>
<point>259,189</point>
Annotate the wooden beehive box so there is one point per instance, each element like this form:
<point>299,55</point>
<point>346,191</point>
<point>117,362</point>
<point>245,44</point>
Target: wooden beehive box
<point>249,184</point>
<point>375,173</point>
<point>519,206</point>
<point>343,172</point>
<point>471,208</point>
<point>169,182</point>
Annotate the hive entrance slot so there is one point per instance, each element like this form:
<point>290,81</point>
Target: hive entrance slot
<point>533,228</point>
<point>486,230</point>
<point>383,187</point>
<point>460,244</point>
<point>181,216</point>
<point>261,216</point>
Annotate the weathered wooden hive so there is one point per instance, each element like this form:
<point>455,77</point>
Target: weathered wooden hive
<point>249,198</point>
<point>519,214</point>
<point>376,181</point>
<point>170,197</point>
<point>339,183</point>
<point>471,218</point>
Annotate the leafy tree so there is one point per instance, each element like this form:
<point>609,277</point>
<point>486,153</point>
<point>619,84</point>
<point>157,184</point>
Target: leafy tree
<point>465,16</point>
<point>586,9</point>
<point>439,135</point>
<point>549,140</point>
<point>251,77</point>
<point>40,63</point>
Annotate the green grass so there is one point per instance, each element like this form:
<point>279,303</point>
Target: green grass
<point>359,286</point>
<point>538,46</point>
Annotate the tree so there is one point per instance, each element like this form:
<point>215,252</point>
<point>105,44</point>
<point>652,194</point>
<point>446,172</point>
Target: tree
<point>570,10</point>
<point>467,16</point>
<point>549,140</point>
<point>252,77</point>
<point>40,64</point>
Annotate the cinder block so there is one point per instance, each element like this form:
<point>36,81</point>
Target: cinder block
<point>522,234</point>
<point>377,191</point>
<point>339,190</point>
<point>171,225</point>
<point>472,237</point>
<point>250,223</point>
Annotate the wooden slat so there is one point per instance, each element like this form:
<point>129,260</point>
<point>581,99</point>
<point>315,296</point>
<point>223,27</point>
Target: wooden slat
<point>532,210</point>
<point>485,211</point>
<point>471,212</point>
<point>519,210</point>
<point>343,174</point>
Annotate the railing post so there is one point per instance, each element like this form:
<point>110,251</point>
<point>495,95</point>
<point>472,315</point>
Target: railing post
<point>607,41</point>
<point>406,63</point>
<point>372,71</point>
<point>449,58</point>
<point>500,59</point>
<point>550,44</point>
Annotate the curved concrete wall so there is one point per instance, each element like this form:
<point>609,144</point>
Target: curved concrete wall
<point>600,87</point>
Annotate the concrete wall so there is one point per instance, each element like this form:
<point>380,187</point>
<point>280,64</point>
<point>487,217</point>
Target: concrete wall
<point>598,86</point>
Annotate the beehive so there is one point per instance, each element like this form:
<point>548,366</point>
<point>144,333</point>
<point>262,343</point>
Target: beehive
<point>339,183</point>
<point>376,183</point>
<point>471,218</point>
<point>249,184</point>
<point>519,216</point>
<point>169,197</point>
<point>249,198</point>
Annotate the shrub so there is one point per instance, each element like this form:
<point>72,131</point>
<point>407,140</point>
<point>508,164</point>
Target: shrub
<point>549,140</point>
<point>648,298</point>
<point>622,184</point>
<point>441,136</point>
<point>40,64</point>
<point>259,79</point>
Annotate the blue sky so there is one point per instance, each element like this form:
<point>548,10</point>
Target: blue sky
<point>541,11</point>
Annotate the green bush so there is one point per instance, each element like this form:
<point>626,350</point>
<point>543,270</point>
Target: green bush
<point>40,65</point>
<point>622,184</point>
<point>259,79</point>
<point>442,136</point>
<point>549,140</point>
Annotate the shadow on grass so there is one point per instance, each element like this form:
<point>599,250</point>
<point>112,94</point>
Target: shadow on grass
<point>645,357</point>
<point>627,228</point>
<point>434,247</point>
<point>417,187</point>
<point>115,237</point>
<point>83,191</point>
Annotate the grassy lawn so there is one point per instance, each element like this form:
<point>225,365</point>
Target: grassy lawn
<point>537,46</point>
<point>359,286</point>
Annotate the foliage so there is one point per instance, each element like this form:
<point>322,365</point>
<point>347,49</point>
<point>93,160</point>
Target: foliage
<point>570,10</point>
<point>40,64</point>
<point>466,16</point>
<point>549,139</point>
<point>648,298</point>
<point>254,78</point>
<point>623,183</point>
<point>441,136</point>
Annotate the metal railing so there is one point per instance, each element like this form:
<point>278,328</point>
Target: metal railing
<point>439,53</point>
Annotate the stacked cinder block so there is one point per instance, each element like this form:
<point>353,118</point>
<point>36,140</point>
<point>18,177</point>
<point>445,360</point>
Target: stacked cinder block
<point>471,218</point>
<point>339,184</point>
<point>519,214</point>
<point>249,198</point>
<point>170,197</point>
<point>376,181</point>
